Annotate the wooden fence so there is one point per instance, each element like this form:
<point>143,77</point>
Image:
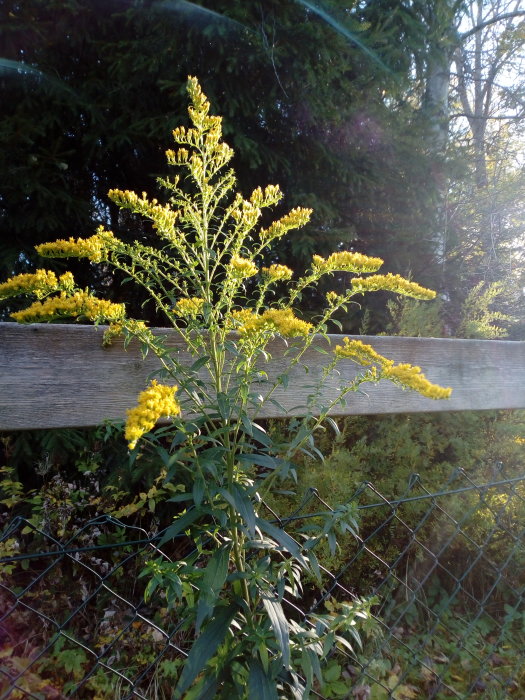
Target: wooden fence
<point>61,375</point>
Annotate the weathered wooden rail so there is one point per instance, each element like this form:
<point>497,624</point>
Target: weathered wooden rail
<point>61,376</point>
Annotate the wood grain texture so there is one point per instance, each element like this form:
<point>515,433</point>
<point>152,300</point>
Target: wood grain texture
<point>61,376</point>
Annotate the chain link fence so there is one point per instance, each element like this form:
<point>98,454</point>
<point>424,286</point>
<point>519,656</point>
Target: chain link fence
<point>446,569</point>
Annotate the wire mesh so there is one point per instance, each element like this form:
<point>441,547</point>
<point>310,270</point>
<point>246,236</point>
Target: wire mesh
<point>446,569</point>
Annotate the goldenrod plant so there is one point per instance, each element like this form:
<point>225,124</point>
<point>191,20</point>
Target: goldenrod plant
<point>206,277</point>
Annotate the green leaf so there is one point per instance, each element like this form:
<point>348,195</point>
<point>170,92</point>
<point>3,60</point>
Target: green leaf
<point>260,685</point>
<point>198,490</point>
<point>259,459</point>
<point>283,538</point>
<point>314,565</point>
<point>332,673</point>
<point>223,405</point>
<point>239,498</point>
<point>280,627</point>
<point>211,584</point>
<point>204,648</point>
<point>331,422</point>
<point>199,363</point>
<point>179,525</point>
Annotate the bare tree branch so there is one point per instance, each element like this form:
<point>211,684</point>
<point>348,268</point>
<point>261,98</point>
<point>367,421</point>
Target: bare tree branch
<point>488,22</point>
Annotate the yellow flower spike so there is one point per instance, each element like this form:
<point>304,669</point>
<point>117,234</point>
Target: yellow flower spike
<point>189,308</point>
<point>39,283</point>
<point>163,217</point>
<point>94,248</point>
<point>360,352</point>
<point>241,267</point>
<point>392,283</point>
<point>407,376</point>
<point>277,272</point>
<point>412,377</point>
<point>346,261</point>
<point>155,402</point>
<point>294,219</point>
<point>80,304</point>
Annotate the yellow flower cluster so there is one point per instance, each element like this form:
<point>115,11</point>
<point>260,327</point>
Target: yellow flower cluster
<point>413,378</point>
<point>333,298</point>
<point>392,283</point>
<point>94,248</point>
<point>294,219</point>
<point>117,328</point>
<point>408,376</point>
<point>346,261</point>
<point>277,272</point>
<point>359,352</point>
<point>239,318</point>
<point>39,283</point>
<point>241,267</point>
<point>80,304</point>
<point>157,401</point>
<point>189,308</point>
<point>271,195</point>
<point>282,321</point>
<point>246,213</point>
<point>163,217</point>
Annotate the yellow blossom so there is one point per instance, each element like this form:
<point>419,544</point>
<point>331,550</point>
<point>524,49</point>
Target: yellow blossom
<point>282,321</point>
<point>239,318</point>
<point>346,261</point>
<point>408,376</point>
<point>245,213</point>
<point>39,283</point>
<point>333,298</point>
<point>94,248</point>
<point>277,272</point>
<point>412,377</point>
<point>294,219</point>
<point>241,267</point>
<point>118,327</point>
<point>79,304</point>
<point>271,195</point>
<point>189,308</point>
<point>162,216</point>
<point>157,401</point>
<point>392,283</point>
<point>177,157</point>
<point>359,352</point>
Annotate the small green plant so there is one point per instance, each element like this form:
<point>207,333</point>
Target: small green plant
<point>478,319</point>
<point>235,590</point>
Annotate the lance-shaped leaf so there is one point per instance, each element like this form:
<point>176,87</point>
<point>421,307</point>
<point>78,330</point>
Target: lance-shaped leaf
<point>280,627</point>
<point>211,584</point>
<point>204,648</point>
<point>260,686</point>
<point>239,498</point>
